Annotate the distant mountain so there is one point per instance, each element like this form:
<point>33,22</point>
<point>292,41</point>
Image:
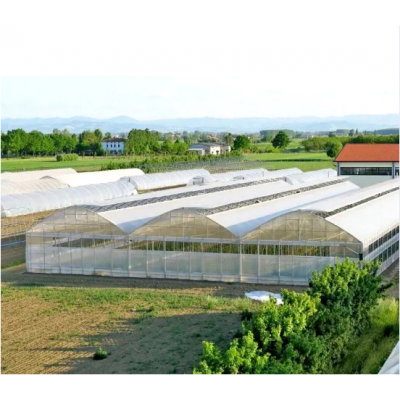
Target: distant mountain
<point>122,123</point>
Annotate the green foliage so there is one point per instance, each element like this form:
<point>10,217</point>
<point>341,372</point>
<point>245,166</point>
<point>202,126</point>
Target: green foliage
<point>100,354</point>
<point>281,140</point>
<point>320,143</point>
<point>309,333</point>
<point>141,141</point>
<point>333,148</point>
<point>242,142</point>
<point>67,157</point>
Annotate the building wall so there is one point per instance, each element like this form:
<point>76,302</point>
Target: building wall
<point>367,180</point>
<point>113,147</point>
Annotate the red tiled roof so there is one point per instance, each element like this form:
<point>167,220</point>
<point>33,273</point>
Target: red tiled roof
<point>369,152</point>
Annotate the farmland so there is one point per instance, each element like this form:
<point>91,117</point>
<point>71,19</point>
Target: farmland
<point>55,323</point>
<point>305,161</point>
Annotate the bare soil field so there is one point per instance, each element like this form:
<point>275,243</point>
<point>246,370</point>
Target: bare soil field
<point>55,323</point>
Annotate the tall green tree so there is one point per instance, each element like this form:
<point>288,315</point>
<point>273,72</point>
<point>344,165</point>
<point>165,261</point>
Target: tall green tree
<point>281,140</point>
<point>333,148</point>
<point>241,142</point>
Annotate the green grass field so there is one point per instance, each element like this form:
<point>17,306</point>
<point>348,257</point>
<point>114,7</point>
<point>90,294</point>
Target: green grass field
<point>81,165</point>
<point>93,164</point>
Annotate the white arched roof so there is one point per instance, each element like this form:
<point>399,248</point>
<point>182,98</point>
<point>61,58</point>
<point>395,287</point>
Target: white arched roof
<point>91,178</point>
<point>166,179</point>
<point>311,176</point>
<point>32,175</point>
<point>38,185</point>
<point>28,203</point>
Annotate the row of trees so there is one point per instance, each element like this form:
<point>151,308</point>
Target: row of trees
<point>310,333</point>
<point>333,144</point>
<point>17,141</point>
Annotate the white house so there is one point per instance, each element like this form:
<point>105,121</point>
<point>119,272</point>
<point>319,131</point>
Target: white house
<point>368,163</point>
<point>114,145</point>
<point>210,148</point>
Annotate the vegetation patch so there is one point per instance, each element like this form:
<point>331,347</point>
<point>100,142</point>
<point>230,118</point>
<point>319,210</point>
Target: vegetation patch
<point>311,332</point>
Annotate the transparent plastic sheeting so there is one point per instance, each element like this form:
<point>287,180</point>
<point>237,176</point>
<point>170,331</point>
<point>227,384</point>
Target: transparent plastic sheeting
<point>33,175</point>
<point>228,176</point>
<point>91,178</point>
<point>305,177</point>
<point>249,174</point>
<point>27,203</point>
<point>167,179</point>
<point>37,185</point>
<point>391,365</point>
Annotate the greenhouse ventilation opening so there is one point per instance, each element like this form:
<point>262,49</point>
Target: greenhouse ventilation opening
<point>278,234</point>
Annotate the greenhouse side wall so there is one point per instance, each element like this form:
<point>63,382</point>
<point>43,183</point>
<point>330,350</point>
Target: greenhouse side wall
<point>180,258</point>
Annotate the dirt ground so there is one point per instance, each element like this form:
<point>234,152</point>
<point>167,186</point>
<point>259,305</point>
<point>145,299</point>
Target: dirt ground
<point>157,329</point>
<point>53,324</point>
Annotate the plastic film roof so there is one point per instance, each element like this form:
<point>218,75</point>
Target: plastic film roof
<point>354,197</point>
<point>38,185</point>
<point>27,203</point>
<point>381,213</point>
<point>243,220</point>
<point>167,179</point>
<point>311,176</point>
<point>33,175</point>
<point>91,178</point>
<point>130,219</point>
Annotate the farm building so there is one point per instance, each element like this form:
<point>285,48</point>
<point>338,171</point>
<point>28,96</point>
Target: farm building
<point>368,163</point>
<point>274,233</point>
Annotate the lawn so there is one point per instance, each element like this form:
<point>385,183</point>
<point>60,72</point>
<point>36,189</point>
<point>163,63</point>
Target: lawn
<point>84,164</point>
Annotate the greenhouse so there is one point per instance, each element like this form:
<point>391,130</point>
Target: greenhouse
<point>28,203</point>
<point>274,233</point>
<point>33,175</point>
<point>166,179</point>
<point>311,176</point>
<point>37,185</point>
<point>90,178</point>
<point>228,176</point>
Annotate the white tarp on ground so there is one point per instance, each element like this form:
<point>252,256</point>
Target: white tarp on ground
<point>264,296</point>
<point>28,203</point>
<point>92,178</point>
<point>32,175</point>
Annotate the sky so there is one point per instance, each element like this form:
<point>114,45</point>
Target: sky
<point>230,62</point>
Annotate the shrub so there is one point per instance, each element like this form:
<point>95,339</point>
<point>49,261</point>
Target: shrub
<point>67,157</point>
<point>310,332</point>
<point>100,354</point>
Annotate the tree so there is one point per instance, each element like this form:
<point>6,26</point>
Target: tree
<point>99,134</point>
<point>167,146</point>
<point>241,142</point>
<point>281,140</point>
<point>180,148</point>
<point>35,142</point>
<point>17,140</point>
<point>331,134</point>
<point>228,139</point>
<point>107,135</point>
<point>333,148</point>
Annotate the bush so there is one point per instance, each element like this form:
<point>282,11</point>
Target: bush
<point>310,332</point>
<point>67,157</point>
<point>100,354</point>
